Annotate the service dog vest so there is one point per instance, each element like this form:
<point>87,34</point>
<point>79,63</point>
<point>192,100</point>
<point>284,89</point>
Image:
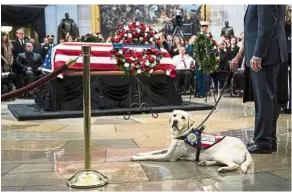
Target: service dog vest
<point>194,137</point>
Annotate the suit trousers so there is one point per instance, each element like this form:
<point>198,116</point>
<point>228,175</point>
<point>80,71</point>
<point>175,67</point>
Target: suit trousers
<point>267,110</point>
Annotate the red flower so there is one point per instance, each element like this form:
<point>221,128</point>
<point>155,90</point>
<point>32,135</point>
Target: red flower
<point>129,40</point>
<point>132,27</point>
<point>145,39</point>
<point>119,60</point>
<point>112,51</point>
<point>147,69</point>
<point>152,59</point>
<point>214,42</point>
<point>153,50</point>
<point>124,41</point>
<point>132,71</point>
<point>142,67</point>
<point>124,49</point>
<point>143,27</point>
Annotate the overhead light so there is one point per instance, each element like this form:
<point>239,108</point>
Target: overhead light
<point>6,28</point>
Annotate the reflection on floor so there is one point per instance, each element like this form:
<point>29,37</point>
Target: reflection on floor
<point>42,155</point>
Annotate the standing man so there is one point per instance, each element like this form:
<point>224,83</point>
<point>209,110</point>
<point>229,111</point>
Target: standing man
<point>50,44</point>
<point>265,50</point>
<point>202,79</point>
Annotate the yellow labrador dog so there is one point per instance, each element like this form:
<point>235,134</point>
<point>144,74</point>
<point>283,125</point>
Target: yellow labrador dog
<point>215,150</point>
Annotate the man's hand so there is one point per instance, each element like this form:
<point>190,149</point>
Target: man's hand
<point>234,64</point>
<point>255,64</point>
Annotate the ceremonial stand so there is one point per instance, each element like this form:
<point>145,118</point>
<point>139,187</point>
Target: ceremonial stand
<point>140,104</point>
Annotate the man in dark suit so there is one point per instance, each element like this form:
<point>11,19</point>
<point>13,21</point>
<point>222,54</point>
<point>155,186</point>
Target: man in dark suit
<point>18,43</point>
<point>30,63</point>
<point>265,50</point>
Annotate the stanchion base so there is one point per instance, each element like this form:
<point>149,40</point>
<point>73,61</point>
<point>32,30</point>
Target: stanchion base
<point>87,179</point>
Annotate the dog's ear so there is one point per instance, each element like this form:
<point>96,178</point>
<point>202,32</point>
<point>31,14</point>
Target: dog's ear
<point>191,122</point>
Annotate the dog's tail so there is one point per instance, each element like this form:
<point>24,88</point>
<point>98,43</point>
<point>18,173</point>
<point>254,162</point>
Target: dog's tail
<point>247,163</point>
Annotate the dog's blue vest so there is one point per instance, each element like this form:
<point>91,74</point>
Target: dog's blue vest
<point>195,139</point>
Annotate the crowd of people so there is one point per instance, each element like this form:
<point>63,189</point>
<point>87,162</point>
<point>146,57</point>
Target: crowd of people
<point>189,77</point>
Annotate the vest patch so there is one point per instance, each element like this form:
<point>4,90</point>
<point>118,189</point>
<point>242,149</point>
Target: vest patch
<point>207,140</point>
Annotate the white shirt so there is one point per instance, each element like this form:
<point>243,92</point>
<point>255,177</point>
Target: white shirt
<point>179,64</point>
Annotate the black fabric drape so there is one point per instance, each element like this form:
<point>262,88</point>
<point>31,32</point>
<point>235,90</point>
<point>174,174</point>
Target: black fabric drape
<point>22,16</point>
<point>110,92</point>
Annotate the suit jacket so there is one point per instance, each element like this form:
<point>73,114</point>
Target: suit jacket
<point>24,60</point>
<point>264,34</point>
<point>18,48</point>
<point>46,47</point>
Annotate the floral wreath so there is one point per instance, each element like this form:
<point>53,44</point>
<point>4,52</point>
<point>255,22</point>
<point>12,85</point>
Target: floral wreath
<point>89,37</point>
<point>206,52</point>
<point>133,61</point>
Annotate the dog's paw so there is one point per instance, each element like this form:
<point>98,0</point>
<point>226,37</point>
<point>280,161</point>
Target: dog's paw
<point>222,170</point>
<point>202,163</point>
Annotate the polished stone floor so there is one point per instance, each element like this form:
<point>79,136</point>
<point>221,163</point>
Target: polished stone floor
<point>42,155</point>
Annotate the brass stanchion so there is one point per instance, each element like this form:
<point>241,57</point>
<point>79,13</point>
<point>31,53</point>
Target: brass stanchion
<point>87,178</point>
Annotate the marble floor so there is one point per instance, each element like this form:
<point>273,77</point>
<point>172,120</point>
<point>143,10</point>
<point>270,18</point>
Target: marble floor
<point>42,155</point>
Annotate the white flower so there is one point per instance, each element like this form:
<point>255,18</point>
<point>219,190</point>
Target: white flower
<point>137,66</point>
<point>133,65</point>
<point>116,36</point>
<point>126,27</point>
<point>156,36</point>
<point>153,56</point>
<point>132,58</point>
<point>147,29</point>
<point>130,35</point>
<point>215,47</point>
<point>146,42</point>
<point>137,23</point>
<point>147,63</point>
<point>141,38</point>
<point>138,30</point>
<point>126,65</point>
<point>139,71</point>
<point>151,71</point>
<point>201,33</point>
<point>120,52</point>
<point>151,39</point>
<point>125,35</point>
<point>146,34</point>
<point>208,35</point>
<point>123,60</point>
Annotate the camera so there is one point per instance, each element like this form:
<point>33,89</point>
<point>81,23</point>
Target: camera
<point>178,18</point>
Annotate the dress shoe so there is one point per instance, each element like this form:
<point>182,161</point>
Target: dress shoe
<point>260,149</point>
<point>273,149</point>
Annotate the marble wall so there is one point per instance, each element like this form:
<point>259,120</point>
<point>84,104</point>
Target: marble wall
<point>79,13</point>
<point>221,13</point>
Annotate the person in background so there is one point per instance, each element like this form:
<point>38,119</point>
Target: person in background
<point>219,76</point>
<point>228,43</point>
<point>46,41</point>
<point>202,79</point>
<point>163,41</point>
<point>169,42</point>
<point>30,63</point>
<point>232,51</point>
<point>100,36</point>
<point>36,47</point>
<point>50,44</point>
<point>190,45</point>
<point>184,64</point>
<point>69,38</point>
<point>62,41</point>
<point>18,43</point>
<point>7,61</point>
<point>174,49</point>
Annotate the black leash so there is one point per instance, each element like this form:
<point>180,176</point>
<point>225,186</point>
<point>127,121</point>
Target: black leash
<point>201,127</point>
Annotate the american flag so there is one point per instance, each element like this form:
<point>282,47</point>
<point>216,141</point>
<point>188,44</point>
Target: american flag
<point>100,59</point>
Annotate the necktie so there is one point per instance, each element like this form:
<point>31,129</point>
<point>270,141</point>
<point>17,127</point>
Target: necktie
<point>184,62</point>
